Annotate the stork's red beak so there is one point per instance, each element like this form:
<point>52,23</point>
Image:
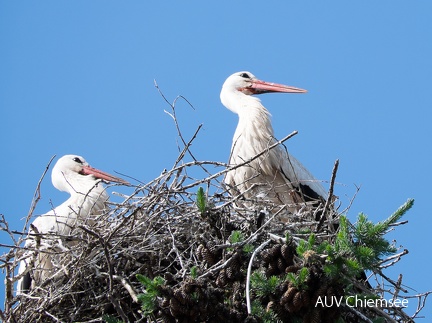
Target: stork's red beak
<point>259,87</point>
<point>87,170</point>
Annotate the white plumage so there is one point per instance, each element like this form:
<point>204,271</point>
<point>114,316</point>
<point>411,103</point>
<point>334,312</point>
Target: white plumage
<point>278,176</point>
<point>71,174</point>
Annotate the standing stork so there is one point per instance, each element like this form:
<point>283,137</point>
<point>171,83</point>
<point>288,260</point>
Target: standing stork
<point>71,174</point>
<point>276,176</point>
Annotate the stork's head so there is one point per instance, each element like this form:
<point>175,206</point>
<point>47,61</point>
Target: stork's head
<point>72,173</point>
<point>244,82</point>
<point>247,83</point>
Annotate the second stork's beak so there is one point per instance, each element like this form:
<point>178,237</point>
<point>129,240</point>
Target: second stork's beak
<point>259,87</point>
<point>87,170</point>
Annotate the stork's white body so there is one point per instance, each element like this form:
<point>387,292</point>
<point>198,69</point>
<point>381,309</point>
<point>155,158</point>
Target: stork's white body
<point>71,174</point>
<point>277,176</point>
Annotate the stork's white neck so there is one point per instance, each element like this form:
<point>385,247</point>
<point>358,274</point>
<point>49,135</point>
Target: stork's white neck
<point>82,206</point>
<point>254,121</point>
<point>89,201</point>
<point>88,195</point>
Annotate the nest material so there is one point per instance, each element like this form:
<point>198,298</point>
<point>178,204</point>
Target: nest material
<point>158,231</point>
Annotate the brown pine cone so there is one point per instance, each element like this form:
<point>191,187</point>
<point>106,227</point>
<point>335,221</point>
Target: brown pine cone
<point>208,256</point>
<point>275,251</point>
<point>306,298</point>
<point>292,269</point>
<point>165,302</point>
<point>266,256</point>
<point>297,300</point>
<point>288,295</point>
<point>270,306</point>
<point>281,264</point>
<point>199,250</point>
<point>212,247</point>
<point>314,316</point>
<point>221,280</point>
<point>322,290</point>
<point>230,272</point>
<point>176,308</point>
<point>272,269</point>
<point>287,254</point>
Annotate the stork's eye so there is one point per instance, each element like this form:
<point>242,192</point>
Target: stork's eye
<point>245,75</point>
<point>76,159</point>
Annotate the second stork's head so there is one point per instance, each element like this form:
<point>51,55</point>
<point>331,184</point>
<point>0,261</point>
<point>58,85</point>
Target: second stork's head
<point>241,84</point>
<point>73,174</point>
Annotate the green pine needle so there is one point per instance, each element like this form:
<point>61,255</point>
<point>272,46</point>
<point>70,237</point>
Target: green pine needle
<point>262,285</point>
<point>236,236</point>
<point>299,280</point>
<point>201,200</point>
<point>194,272</point>
<point>149,298</point>
<point>110,319</point>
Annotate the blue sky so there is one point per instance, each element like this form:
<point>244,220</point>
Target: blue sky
<point>78,77</point>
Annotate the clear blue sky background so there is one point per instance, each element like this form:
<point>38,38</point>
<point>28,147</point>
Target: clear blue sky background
<point>77,77</point>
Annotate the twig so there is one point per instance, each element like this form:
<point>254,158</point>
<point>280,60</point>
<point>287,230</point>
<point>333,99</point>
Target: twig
<point>249,270</point>
<point>126,285</point>
<point>397,257</point>
<point>53,317</point>
<point>421,302</point>
<point>392,282</point>
<point>174,247</point>
<point>230,168</point>
<point>173,115</point>
<point>111,297</point>
<point>397,288</point>
<point>357,313</point>
<point>329,199</point>
<point>37,194</point>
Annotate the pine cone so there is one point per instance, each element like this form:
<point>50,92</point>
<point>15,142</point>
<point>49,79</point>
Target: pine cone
<point>286,253</point>
<point>291,308</point>
<point>221,280</point>
<point>322,290</point>
<point>288,296</point>
<point>292,269</point>
<point>165,302</point>
<point>208,256</point>
<point>199,251</point>
<point>235,262</point>
<point>266,256</point>
<point>182,297</point>
<point>275,251</point>
<point>331,291</point>
<point>188,286</point>
<point>212,247</point>
<point>230,273</point>
<point>176,308</point>
<point>272,269</point>
<point>306,298</point>
<point>297,300</point>
<point>270,306</point>
<point>315,316</point>
<point>281,264</point>
<point>166,318</point>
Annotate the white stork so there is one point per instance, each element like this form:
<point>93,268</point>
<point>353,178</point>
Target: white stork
<point>278,176</point>
<point>71,174</point>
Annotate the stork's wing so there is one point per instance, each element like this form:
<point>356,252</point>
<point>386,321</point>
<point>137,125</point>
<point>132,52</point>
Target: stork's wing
<point>24,283</point>
<point>300,177</point>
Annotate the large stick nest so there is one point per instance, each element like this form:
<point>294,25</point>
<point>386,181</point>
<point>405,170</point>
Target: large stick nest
<point>159,231</point>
